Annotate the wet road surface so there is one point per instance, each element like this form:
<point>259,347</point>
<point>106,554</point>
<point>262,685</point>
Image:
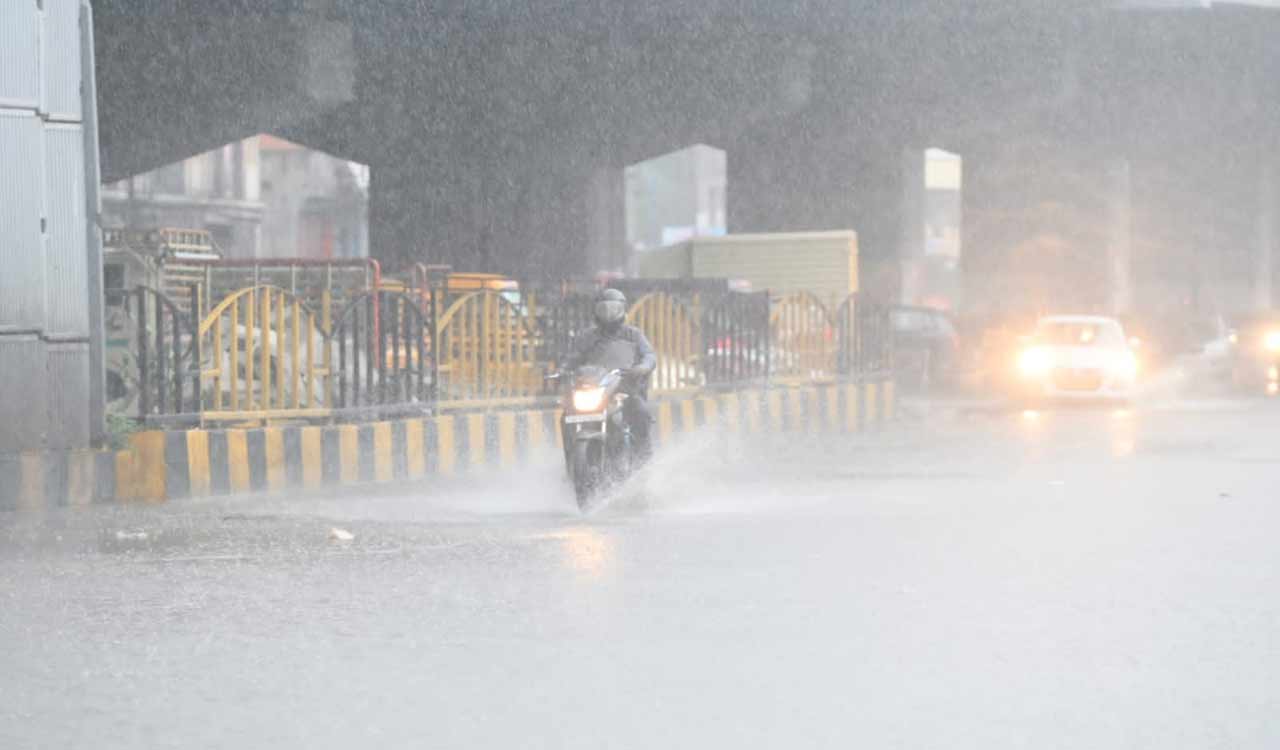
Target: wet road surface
<point>974,578</point>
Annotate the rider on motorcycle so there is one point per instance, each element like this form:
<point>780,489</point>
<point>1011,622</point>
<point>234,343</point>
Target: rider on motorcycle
<point>614,345</point>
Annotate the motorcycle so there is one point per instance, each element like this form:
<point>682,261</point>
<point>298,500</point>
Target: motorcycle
<point>597,439</point>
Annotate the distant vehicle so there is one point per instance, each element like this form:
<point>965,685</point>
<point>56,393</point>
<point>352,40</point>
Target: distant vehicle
<point>823,263</point>
<point>925,346</point>
<point>1078,357</point>
<point>459,283</point>
<point>1255,354</point>
<point>1169,336</point>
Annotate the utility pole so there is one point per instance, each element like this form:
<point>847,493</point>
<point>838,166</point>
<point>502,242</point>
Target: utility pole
<point>93,235</point>
<point>1265,238</point>
<point>1120,236</point>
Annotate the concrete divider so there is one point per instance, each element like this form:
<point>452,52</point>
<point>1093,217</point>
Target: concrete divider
<point>36,481</point>
<point>167,465</point>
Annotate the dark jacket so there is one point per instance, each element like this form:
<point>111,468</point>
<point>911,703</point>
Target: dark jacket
<point>624,348</point>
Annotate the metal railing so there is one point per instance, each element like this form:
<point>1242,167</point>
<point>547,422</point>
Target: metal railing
<point>265,353</point>
<point>153,345</point>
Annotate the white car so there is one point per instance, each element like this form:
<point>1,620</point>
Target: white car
<point>1078,357</point>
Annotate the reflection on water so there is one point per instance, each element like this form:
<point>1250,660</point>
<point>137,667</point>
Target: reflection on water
<point>586,550</point>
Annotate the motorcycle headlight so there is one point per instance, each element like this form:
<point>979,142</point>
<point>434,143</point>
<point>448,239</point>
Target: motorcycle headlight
<point>588,399</point>
<point>1034,362</point>
<point>1272,341</point>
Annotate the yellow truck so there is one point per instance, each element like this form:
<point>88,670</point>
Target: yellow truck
<point>823,263</point>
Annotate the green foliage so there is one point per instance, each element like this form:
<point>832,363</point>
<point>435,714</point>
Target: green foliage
<point>119,428</point>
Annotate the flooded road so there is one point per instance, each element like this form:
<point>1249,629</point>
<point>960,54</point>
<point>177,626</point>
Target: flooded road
<point>974,578</point>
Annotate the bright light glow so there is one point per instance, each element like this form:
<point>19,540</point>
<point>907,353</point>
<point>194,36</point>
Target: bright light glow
<point>1273,373</point>
<point>586,551</point>
<point>1035,362</point>
<point>1124,365</point>
<point>1121,414</point>
<point>1273,389</point>
<point>1272,341</point>
<point>588,399</point>
<point>1030,415</point>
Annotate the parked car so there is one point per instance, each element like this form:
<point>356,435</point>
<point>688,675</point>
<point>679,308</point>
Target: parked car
<point>925,346</point>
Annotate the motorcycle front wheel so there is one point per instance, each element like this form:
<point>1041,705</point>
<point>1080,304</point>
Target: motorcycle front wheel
<point>586,471</point>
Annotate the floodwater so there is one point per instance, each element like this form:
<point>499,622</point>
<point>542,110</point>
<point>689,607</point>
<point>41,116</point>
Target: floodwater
<point>972,578</point>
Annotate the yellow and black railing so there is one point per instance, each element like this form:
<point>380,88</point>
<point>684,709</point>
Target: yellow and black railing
<point>266,355</point>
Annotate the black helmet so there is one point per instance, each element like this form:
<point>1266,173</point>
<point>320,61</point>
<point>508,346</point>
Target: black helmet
<point>611,308</point>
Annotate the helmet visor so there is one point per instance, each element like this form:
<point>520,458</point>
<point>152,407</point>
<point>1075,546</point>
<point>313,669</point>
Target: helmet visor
<point>610,310</point>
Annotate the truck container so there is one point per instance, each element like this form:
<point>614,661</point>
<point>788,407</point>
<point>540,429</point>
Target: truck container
<point>824,263</point>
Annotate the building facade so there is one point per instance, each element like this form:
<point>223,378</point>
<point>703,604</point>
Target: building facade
<point>314,205</point>
<point>217,191</point>
<point>261,197</point>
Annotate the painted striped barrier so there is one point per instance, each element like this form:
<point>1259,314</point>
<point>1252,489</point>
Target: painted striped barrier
<point>169,465</point>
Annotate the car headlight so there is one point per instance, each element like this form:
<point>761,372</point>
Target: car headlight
<point>1035,361</point>
<point>1125,365</point>
<point>588,399</point>
<point>1272,341</point>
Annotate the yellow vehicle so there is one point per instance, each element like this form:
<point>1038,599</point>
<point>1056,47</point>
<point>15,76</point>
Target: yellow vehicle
<point>457,284</point>
<point>474,282</point>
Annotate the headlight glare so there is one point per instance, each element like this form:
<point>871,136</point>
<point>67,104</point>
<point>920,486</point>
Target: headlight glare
<point>1035,361</point>
<point>588,399</point>
<point>1125,365</point>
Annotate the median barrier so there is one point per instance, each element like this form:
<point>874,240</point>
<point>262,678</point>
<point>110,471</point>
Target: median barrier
<point>176,464</point>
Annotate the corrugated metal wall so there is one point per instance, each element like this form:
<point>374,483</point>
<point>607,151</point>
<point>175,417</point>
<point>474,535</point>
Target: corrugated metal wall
<point>45,311</point>
<point>24,412</point>
<point>21,212</point>
<point>68,371</point>
<point>824,263</point>
<point>20,47</point>
<point>67,302</point>
<point>61,58</point>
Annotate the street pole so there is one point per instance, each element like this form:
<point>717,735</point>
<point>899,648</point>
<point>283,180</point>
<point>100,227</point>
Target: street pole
<point>1120,236</point>
<point>1265,239</point>
<point>93,244</point>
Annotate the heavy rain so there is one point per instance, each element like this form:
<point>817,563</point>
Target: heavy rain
<point>403,373</point>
